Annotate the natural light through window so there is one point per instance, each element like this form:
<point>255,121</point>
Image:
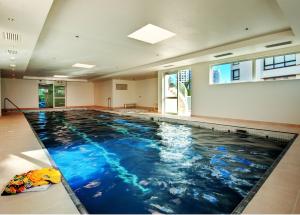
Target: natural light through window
<point>231,72</point>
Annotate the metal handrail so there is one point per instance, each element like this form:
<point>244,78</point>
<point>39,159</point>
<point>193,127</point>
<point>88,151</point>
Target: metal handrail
<point>7,99</point>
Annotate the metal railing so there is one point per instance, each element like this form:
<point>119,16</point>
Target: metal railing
<point>7,99</point>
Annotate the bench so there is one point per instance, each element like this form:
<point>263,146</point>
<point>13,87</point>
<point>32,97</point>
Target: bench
<point>130,105</point>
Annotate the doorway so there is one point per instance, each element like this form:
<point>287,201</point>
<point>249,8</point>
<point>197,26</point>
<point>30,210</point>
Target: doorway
<point>177,92</point>
<point>51,96</point>
<point>45,95</point>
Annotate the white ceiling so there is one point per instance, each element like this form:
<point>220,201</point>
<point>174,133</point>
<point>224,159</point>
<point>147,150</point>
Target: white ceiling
<point>25,19</point>
<point>202,27</point>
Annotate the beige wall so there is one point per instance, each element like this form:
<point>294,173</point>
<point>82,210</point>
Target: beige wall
<point>272,101</point>
<point>24,93</point>
<point>102,91</point>
<point>80,94</point>
<point>121,97</point>
<point>141,92</point>
<point>146,92</point>
<point>0,97</point>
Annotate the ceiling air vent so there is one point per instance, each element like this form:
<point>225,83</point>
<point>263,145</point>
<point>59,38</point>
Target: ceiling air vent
<point>223,55</point>
<point>279,44</point>
<point>12,52</point>
<point>10,36</point>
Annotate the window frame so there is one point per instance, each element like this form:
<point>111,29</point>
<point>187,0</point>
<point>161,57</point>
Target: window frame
<point>285,62</point>
<point>235,77</point>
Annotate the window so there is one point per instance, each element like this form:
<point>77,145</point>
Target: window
<point>231,72</point>
<point>282,61</point>
<point>236,74</point>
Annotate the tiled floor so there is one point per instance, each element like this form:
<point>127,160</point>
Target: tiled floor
<point>19,153</point>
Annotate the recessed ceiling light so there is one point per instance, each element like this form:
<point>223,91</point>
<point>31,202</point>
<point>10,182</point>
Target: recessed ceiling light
<point>12,65</point>
<point>151,34</point>
<point>12,58</point>
<point>60,76</point>
<point>168,65</point>
<point>81,65</point>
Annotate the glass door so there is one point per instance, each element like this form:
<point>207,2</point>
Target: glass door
<point>45,95</point>
<point>59,96</point>
<point>171,93</point>
<point>177,91</point>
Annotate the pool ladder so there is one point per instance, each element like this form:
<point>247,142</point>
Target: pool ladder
<point>13,104</point>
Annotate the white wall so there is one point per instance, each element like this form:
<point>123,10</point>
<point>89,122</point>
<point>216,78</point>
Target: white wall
<point>272,101</point>
<point>0,97</point>
<point>80,94</point>
<point>146,91</point>
<point>24,93</point>
<point>121,97</point>
<point>141,92</point>
<point>102,91</point>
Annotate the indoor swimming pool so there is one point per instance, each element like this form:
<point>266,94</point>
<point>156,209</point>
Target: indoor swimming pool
<point>122,164</point>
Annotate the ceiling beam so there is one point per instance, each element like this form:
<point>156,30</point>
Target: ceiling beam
<point>290,9</point>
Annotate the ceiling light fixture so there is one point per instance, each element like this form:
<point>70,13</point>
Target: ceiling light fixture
<point>82,65</point>
<point>12,65</point>
<point>151,34</point>
<point>60,76</point>
<point>168,66</point>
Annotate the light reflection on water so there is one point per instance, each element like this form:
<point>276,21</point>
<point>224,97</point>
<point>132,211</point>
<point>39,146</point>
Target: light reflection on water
<point>123,165</point>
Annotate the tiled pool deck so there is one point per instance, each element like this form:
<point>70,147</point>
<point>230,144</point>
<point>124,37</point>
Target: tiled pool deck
<point>20,151</point>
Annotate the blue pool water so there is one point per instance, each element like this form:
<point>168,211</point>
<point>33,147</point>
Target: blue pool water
<point>119,164</point>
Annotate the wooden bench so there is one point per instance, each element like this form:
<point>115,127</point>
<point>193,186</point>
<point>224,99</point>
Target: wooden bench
<point>130,105</point>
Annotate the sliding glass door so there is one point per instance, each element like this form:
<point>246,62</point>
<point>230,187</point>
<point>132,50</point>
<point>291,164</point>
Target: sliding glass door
<point>177,92</point>
<point>45,95</point>
<point>59,96</point>
<point>52,96</point>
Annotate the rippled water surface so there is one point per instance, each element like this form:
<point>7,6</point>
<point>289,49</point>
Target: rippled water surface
<point>118,164</point>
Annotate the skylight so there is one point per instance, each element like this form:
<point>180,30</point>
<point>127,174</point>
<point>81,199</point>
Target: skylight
<point>151,34</point>
<point>60,76</point>
<point>81,65</point>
